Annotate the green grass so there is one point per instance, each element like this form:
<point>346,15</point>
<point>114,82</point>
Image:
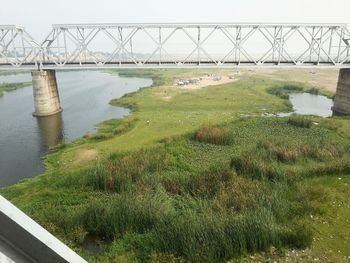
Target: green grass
<point>108,129</point>
<point>283,90</point>
<point>300,121</point>
<point>12,86</point>
<point>193,179</point>
<point>13,72</point>
<point>204,216</point>
<point>214,135</point>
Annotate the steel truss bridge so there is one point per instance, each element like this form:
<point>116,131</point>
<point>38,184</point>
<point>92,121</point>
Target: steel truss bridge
<point>177,45</point>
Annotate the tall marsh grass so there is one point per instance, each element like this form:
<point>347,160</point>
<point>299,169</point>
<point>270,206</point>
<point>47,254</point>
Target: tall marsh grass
<point>120,171</point>
<point>199,203</point>
<point>300,121</point>
<point>214,135</point>
<point>284,90</point>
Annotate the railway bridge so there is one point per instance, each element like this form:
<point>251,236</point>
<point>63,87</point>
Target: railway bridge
<point>180,45</point>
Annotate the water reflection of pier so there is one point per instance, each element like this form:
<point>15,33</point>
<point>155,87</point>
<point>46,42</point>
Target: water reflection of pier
<point>50,130</point>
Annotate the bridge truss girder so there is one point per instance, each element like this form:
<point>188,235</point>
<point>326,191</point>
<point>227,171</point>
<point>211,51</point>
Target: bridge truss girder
<point>17,47</point>
<point>190,45</point>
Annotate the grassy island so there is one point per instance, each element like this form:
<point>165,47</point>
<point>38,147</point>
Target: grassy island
<point>12,86</point>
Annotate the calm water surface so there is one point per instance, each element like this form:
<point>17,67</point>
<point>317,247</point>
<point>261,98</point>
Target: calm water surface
<point>25,139</point>
<point>310,104</point>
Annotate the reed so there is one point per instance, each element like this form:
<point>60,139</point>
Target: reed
<point>214,135</point>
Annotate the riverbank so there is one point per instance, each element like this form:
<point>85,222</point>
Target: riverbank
<point>6,87</point>
<point>25,139</point>
<point>188,178</point>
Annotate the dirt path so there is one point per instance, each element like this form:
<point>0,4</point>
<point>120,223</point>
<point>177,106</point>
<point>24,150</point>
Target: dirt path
<point>205,81</point>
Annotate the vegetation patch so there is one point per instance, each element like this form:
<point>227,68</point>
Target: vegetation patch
<point>300,121</point>
<point>214,135</point>
<point>235,199</point>
<point>12,86</point>
<point>283,152</point>
<point>283,90</point>
<point>111,128</point>
<point>120,171</point>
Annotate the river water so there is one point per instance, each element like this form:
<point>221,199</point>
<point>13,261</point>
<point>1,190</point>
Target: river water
<point>310,104</point>
<point>25,139</point>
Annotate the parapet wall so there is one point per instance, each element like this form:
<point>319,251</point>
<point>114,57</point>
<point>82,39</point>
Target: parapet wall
<point>23,240</point>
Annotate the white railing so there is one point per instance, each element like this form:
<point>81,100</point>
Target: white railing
<point>24,240</point>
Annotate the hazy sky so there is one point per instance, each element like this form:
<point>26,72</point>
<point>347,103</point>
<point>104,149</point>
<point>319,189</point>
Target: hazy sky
<point>38,15</point>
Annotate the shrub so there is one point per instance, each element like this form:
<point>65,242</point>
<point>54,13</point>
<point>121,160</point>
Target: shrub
<point>313,90</point>
<point>214,135</point>
<point>241,194</point>
<point>98,136</point>
<point>283,90</point>
<point>207,184</point>
<point>281,151</point>
<point>112,127</point>
<point>339,166</point>
<point>299,236</point>
<point>285,151</point>
<point>300,121</point>
<point>120,171</point>
<point>215,238</point>
<point>256,168</point>
<point>125,213</point>
<point>292,87</point>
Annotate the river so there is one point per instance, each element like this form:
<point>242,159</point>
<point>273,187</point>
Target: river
<point>311,104</point>
<point>25,139</point>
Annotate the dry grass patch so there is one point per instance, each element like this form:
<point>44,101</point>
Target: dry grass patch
<point>86,155</point>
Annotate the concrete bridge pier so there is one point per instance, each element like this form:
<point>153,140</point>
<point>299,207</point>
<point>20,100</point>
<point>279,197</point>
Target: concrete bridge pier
<point>342,95</point>
<point>45,92</point>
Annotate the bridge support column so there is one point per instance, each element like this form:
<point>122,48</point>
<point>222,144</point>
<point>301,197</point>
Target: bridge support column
<point>342,95</point>
<point>45,92</point>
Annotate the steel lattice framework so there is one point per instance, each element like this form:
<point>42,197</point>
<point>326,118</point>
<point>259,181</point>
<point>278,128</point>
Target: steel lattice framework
<point>178,45</point>
<point>17,47</point>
